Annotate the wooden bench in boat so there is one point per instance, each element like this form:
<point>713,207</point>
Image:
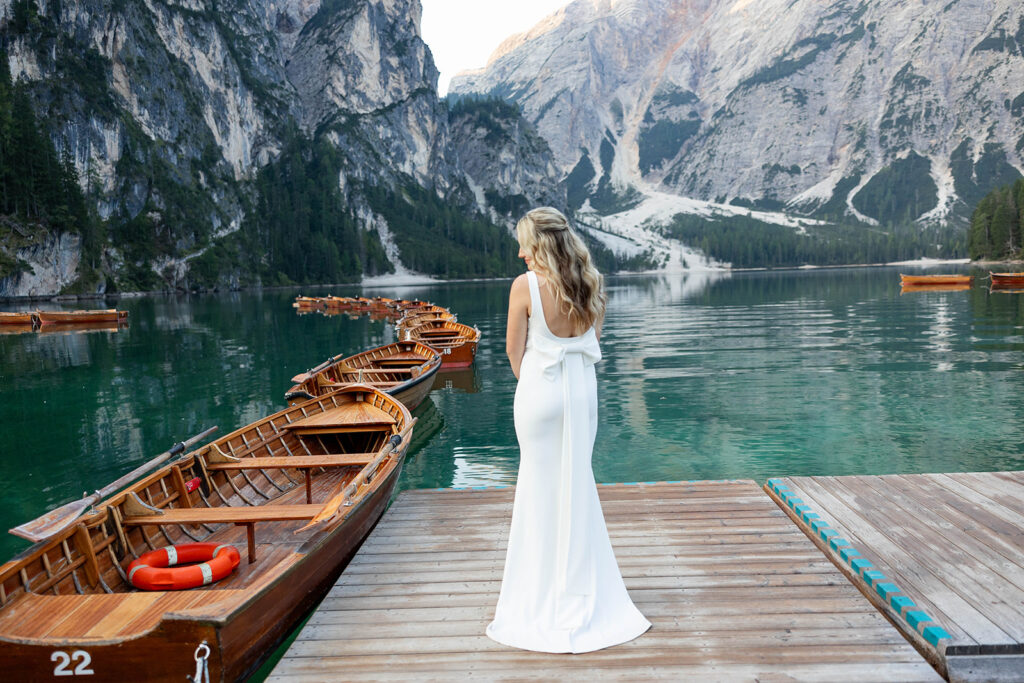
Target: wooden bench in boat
<point>298,462</point>
<point>243,515</point>
<point>355,417</point>
<point>403,369</point>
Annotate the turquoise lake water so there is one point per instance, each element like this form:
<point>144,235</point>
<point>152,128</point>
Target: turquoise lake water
<point>744,375</point>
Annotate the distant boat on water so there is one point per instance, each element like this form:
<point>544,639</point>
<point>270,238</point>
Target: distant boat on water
<point>1007,280</point>
<point>109,315</point>
<point>18,318</point>
<point>928,280</point>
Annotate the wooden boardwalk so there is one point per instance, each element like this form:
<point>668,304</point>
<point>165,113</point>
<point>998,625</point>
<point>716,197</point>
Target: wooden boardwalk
<point>734,589</point>
<point>942,554</point>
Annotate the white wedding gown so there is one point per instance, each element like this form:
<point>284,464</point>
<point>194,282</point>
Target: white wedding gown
<point>561,590</point>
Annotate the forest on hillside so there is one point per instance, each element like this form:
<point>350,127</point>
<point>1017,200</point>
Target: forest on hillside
<point>746,242</point>
<point>997,225</point>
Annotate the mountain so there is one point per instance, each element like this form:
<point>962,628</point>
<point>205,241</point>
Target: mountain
<point>872,111</point>
<point>232,142</point>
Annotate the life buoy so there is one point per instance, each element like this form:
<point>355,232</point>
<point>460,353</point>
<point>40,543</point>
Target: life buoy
<point>157,570</point>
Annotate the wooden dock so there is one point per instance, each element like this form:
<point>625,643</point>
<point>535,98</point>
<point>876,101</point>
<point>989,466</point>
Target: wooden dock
<point>941,554</point>
<point>734,589</point>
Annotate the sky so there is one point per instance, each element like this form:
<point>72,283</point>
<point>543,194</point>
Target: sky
<point>462,34</point>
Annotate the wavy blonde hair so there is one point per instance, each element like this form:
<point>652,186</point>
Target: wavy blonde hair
<point>563,259</point>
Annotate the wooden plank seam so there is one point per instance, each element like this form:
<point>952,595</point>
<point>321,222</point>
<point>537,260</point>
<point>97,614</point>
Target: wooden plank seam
<point>918,620</point>
<point>625,483</point>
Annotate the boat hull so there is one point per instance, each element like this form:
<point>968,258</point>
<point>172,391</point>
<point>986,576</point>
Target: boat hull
<point>1007,280</point>
<point>461,356</point>
<point>411,392</point>
<point>108,316</point>
<point>924,280</point>
<point>246,638</point>
<point>18,318</point>
<point>414,393</point>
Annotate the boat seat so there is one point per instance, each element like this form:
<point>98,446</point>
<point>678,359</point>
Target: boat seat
<point>296,462</point>
<point>299,462</point>
<point>243,515</point>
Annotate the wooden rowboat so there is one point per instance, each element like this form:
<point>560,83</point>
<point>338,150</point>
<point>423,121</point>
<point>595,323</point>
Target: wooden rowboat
<point>416,318</point>
<point>922,280</point>
<point>454,341</point>
<point>297,491</point>
<point>109,315</point>
<point>18,318</point>
<point>406,304</point>
<point>1007,280</point>
<point>308,302</point>
<point>339,303</point>
<point>404,370</point>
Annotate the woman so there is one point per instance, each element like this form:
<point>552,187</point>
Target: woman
<point>561,591</point>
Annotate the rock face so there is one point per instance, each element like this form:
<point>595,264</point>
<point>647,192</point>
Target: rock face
<point>819,107</point>
<point>509,167</point>
<point>170,109</point>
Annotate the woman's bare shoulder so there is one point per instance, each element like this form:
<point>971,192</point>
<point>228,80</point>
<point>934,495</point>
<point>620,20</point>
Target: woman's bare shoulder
<point>520,284</point>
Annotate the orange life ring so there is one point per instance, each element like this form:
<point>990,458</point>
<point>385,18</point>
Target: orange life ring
<point>157,570</point>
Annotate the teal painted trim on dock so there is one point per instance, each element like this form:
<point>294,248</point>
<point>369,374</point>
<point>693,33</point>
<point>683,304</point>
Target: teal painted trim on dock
<point>933,634</point>
<point>862,566</point>
<point>859,564</point>
<point>849,553</point>
<point>873,576</point>
<point>901,603</point>
<point>836,543</point>
<point>916,617</point>
<point>887,590</point>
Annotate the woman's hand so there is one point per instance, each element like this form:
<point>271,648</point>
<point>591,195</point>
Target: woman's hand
<point>518,322</point>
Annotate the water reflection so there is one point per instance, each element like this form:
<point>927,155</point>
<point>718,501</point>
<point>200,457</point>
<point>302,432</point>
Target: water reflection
<point>705,375</point>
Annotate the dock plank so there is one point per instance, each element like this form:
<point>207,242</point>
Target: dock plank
<point>734,589</point>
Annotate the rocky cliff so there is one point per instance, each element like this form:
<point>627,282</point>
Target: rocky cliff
<point>189,122</point>
<point>881,111</point>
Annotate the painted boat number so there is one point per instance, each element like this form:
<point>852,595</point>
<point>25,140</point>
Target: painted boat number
<point>81,658</point>
<point>447,351</point>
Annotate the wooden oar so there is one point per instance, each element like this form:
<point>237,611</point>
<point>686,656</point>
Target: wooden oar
<point>332,506</point>
<point>61,518</point>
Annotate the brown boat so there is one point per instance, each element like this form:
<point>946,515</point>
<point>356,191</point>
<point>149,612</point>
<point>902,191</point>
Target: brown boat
<point>308,303</point>
<point>18,318</point>
<point>297,492</point>
<point>109,315</point>
<point>454,341</point>
<point>406,304</point>
<point>1007,280</point>
<point>339,303</point>
<point>404,370</point>
<point>924,280</point>
<point>416,318</point>
<point>381,303</point>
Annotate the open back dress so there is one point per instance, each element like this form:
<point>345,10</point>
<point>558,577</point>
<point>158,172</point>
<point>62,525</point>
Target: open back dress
<point>561,590</point>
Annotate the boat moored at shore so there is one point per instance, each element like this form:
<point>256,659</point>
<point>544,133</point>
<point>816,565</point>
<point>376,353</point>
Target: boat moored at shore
<point>297,492</point>
<point>404,370</point>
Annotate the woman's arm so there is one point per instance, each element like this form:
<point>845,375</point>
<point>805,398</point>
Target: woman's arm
<point>518,321</point>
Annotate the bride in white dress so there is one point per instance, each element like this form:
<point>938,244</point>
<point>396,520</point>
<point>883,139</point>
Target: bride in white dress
<point>561,590</point>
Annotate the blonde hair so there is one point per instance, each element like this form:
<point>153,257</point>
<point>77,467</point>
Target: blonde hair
<point>563,259</point>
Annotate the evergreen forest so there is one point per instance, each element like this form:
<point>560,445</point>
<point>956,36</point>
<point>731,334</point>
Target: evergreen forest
<point>749,243</point>
<point>997,225</point>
